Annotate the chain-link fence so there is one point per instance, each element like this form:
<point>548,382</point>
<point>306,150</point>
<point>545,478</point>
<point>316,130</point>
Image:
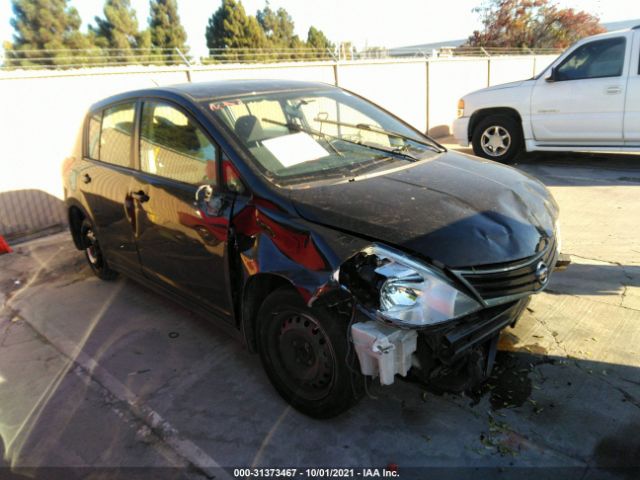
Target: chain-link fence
<point>101,57</point>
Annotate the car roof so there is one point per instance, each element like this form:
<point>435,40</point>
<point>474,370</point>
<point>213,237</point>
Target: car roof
<point>201,91</point>
<point>229,88</point>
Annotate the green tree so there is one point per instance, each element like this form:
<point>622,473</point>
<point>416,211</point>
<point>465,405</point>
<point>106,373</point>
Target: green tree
<point>319,42</point>
<point>49,26</point>
<point>531,23</point>
<point>279,29</point>
<point>167,33</point>
<point>118,31</point>
<point>230,28</point>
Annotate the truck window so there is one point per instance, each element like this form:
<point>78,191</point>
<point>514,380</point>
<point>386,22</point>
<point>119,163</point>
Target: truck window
<point>598,59</point>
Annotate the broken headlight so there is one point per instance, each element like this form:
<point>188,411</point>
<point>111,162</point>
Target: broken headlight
<point>404,291</point>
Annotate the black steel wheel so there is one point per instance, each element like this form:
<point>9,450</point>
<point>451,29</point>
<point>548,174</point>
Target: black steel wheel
<point>93,252</point>
<point>304,353</point>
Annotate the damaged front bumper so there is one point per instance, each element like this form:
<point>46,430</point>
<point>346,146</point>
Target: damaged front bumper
<point>455,356</point>
<point>442,324</point>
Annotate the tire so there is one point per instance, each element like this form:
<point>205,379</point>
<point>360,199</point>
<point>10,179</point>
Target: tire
<point>93,252</point>
<point>498,138</point>
<point>304,353</point>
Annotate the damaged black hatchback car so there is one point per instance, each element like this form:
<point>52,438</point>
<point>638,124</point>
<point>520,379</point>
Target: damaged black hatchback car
<point>334,239</point>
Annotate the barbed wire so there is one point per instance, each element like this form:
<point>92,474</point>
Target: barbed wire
<point>31,59</point>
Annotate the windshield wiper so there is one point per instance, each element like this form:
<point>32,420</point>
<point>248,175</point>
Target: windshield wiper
<point>371,128</point>
<point>389,151</point>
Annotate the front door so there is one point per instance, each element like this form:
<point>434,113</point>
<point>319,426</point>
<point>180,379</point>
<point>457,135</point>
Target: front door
<point>584,104</point>
<point>181,221</point>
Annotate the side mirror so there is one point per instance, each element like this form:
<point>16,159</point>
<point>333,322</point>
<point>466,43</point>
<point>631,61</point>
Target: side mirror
<point>552,77</point>
<point>209,201</point>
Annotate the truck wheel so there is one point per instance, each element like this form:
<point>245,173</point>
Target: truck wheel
<point>93,252</point>
<point>304,353</point>
<point>497,137</point>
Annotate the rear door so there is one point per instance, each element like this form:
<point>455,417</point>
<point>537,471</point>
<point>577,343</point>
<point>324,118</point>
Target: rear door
<point>182,220</point>
<point>632,108</point>
<point>105,182</point>
<point>584,105</point>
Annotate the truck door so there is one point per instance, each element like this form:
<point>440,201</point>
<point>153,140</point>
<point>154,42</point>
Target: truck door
<point>581,101</point>
<point>632,107</point>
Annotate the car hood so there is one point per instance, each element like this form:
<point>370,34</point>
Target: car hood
<point>454,208</point>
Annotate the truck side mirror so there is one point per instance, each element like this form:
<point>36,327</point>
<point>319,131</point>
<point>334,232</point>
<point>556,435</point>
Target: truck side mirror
<point>552,77</point>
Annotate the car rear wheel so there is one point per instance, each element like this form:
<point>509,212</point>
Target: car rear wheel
<point>305,355</point>
<point>93,252</point>
<point>497,137</point>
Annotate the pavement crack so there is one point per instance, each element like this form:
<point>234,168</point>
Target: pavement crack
<point>560,292</point>
<point>551,332</point>
<point>596,259</point>
<point>623,295</point>
<point>627,396</point>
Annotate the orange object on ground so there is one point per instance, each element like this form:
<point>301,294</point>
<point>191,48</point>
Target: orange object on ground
<point>4,246</point>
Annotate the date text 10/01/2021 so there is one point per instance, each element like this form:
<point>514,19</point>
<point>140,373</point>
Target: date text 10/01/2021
<point>390,472</point>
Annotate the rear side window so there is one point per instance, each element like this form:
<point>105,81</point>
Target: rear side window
<point>599,59</point>
<point>93,145</point>
<point>173,146</point>
<point>116,134</point>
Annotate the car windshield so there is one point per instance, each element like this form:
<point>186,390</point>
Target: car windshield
<point>317,134</point>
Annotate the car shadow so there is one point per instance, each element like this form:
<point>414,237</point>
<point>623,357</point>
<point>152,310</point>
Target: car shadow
<point>595,279</point>
<point>581,169</point>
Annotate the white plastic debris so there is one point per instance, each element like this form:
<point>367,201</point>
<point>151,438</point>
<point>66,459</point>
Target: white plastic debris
<point>383,350</point>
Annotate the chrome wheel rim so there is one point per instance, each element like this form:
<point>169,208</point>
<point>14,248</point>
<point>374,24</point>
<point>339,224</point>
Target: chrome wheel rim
<point>495,141</point>
<point>93,251</point>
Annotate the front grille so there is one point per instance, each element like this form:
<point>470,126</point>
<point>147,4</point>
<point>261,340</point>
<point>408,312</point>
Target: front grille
<point>495,284</point>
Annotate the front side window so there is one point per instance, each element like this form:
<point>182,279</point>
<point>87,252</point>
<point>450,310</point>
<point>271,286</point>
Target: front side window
<point>173,146</point>
<point>116,133</point>
<point>598,59</point>
<point>318,134</point>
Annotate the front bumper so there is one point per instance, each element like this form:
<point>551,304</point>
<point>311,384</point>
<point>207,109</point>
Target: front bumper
<point>461,131</point>
<point>385,351</point>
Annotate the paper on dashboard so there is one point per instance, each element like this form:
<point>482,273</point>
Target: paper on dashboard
<point>296,148</point>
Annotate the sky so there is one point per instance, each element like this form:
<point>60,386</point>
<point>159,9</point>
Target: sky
<point>364,22</point>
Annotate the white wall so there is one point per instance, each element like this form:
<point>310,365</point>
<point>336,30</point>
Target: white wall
<point>42,111</point>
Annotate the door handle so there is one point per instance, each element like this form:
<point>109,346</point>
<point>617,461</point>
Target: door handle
<point>140,196</point>
<point>614,90</point>
<point>86,178</point>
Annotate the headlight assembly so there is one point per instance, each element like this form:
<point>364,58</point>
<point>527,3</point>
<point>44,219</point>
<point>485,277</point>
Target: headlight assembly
<point>404,291</point>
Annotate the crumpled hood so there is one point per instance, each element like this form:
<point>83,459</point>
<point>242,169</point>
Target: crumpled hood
<point>454,208</point>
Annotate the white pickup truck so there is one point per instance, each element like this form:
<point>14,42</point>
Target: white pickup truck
<point>588,99</point>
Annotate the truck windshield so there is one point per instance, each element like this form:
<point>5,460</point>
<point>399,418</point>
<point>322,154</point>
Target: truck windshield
<point>305,135</point>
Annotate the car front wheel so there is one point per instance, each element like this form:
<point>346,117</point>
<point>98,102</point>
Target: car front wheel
<point>305,354</point>
<point>497,137</point>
